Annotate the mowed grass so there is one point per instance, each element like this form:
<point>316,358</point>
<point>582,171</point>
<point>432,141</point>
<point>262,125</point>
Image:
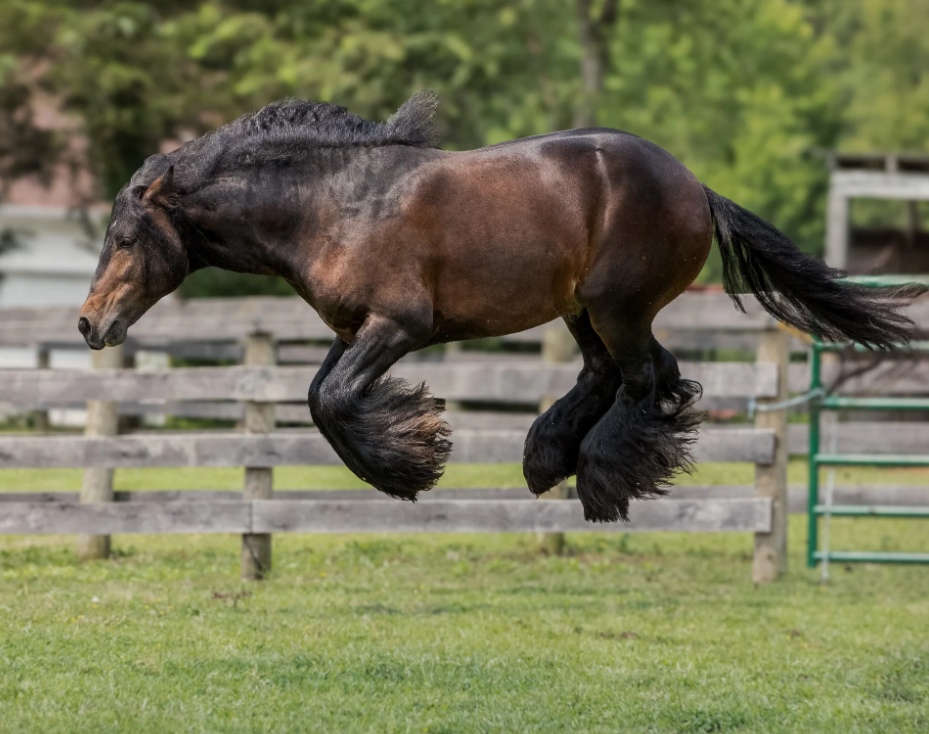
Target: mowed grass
<point>456,475</point>
<point>469,633</point>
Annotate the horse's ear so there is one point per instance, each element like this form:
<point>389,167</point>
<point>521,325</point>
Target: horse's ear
<point>161,191</point>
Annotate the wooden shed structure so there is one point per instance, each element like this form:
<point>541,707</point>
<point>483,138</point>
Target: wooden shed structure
<point>877,250</point>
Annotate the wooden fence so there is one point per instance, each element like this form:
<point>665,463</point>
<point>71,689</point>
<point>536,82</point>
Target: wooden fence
<point>257,391</point>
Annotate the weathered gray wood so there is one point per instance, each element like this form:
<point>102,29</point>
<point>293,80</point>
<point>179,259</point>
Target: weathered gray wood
<point>770,557</point>
<point>301,354</point>
<point>837,227</point>
<point>97,484</point>
<point>259,481</point>
<point>887,377</point>
<point>23,389</point>
<point>208,319</point>
<point>167,449</point>
<point>508,382</point>
<point>894,495</point>
<point>884,437</point>
<point>40,422</point>
<point>476,420</point>
<point>37,518</point>
<point>378,516</point>
<point>307,448</point>
<point>219,495</point>
<point>470,516</point>
<point>290,319</point>
<point>879,185</point>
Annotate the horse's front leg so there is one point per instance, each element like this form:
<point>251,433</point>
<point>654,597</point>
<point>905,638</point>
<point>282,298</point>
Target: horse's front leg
<point>386,431</point>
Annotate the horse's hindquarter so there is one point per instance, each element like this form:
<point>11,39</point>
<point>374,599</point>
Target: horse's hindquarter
<point>508,235</point>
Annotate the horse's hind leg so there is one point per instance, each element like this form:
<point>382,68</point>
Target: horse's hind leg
<point>554,440</point>
<point>386,431</point>
<point>644,439</point>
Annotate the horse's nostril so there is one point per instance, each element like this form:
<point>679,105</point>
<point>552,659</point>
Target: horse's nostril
<point>83,325</point>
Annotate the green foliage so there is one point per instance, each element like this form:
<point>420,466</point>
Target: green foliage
<point>738,93</point>
<point>743,91</point>
<point>214,283</point>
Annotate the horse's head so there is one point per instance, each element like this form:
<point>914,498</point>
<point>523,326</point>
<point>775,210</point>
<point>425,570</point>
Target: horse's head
<point>143,259</point>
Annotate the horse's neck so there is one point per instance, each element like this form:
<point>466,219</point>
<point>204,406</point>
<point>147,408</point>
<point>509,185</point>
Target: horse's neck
<point>280,230</point>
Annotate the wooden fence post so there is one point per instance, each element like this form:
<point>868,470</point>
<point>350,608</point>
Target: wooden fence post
<point>40,421</point>
<point>102,420</point>
<point>770,560</point>
<point>259,418</point>
<point>557,346</point>
<point>453,348</point>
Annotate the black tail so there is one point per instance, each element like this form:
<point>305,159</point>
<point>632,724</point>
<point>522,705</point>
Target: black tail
<point>759,259</point>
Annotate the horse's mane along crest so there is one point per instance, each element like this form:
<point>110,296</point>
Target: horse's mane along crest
<point>323,124</point>
<point>290,129</point>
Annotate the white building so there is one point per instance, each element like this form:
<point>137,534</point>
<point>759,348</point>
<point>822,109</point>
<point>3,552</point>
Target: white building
<point>54,261</point>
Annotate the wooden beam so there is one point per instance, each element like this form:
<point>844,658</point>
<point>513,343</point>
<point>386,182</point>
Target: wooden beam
<point>23,388</point>
<point>508,382</point>
<point>890,437</point>
<point>377,516</point>
<point>290,319</point>
<point>470,516</point>
<point>885,375</point>
<point>40,421</point>
<point>306,449</point>
<point>259,480</point>
<point>43,518</point>
<point>894,495</point>
<point>770,557</point>
<point>102,423</point>
<point>880,185</point>
<point>837,225</point>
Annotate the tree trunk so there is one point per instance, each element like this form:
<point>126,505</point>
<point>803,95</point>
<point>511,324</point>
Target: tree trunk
<point>593,34</point>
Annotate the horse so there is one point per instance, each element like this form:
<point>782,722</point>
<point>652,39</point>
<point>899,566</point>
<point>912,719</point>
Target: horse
<point>399,245</point>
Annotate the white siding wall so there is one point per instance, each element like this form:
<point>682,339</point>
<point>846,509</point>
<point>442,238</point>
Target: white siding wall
<point>52,267</point>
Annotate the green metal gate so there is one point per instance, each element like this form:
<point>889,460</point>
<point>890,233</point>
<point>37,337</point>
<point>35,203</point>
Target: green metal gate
<point>818,459</point>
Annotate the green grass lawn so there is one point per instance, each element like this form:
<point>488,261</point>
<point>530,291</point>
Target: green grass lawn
<point>456,475</point>
<point>443,633</point>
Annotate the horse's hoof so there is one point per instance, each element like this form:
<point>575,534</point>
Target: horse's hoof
<point>550,454</point>
<point>392,437</point>
<point>634,452</point>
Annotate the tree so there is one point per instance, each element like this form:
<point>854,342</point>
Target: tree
<point>593,30</point>
<point>742,91</point>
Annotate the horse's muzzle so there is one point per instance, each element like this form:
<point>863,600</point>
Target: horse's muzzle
<point>114,335</point>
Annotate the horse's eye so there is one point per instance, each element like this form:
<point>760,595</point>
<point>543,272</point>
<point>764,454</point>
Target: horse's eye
<point>125,244</point>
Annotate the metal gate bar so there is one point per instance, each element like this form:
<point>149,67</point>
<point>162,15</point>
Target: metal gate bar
<point>816,459</point>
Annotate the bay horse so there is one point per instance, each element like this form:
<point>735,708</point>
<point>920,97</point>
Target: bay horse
<point>400,245</point>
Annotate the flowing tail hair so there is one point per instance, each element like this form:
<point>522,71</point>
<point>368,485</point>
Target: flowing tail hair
<point>761,260</point>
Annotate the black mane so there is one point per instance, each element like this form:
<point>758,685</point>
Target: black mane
<point>290,129</point>
<point>331,125</point>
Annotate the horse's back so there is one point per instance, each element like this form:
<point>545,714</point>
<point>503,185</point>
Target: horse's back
<point>506,237</point>
<point>593,211</point>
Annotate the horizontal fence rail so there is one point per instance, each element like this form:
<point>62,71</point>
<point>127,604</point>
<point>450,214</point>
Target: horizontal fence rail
<point>290,319</point>
<point>890,495</point>
<point>513,383</point>
<point>376,516</point>
<point>217,329</point>
<point>306,448</point>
